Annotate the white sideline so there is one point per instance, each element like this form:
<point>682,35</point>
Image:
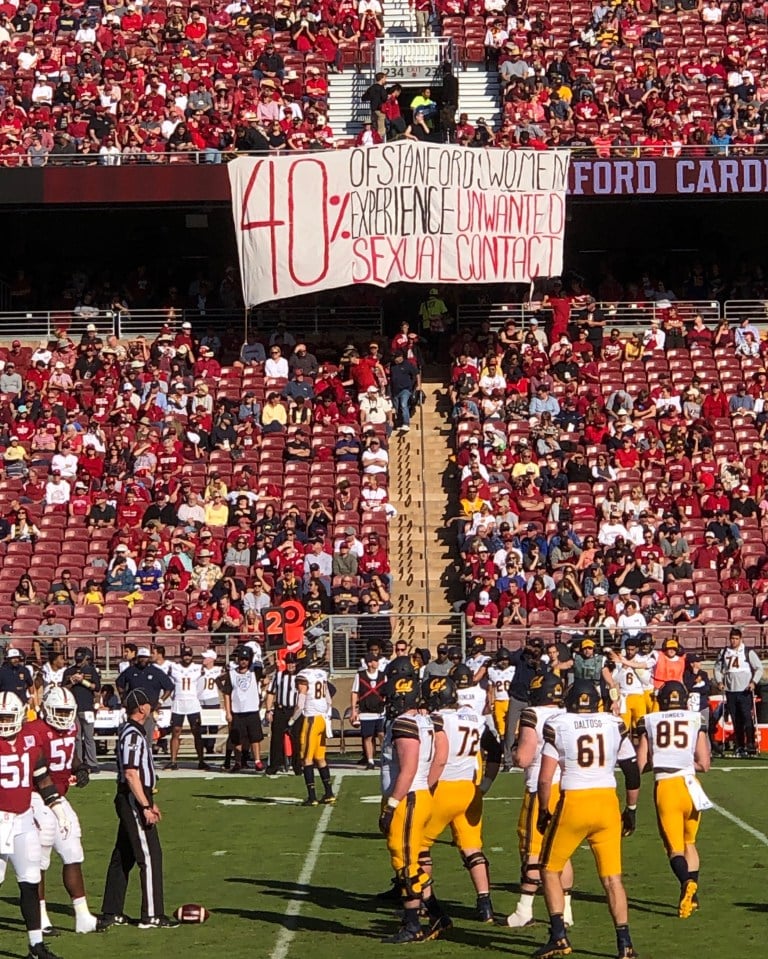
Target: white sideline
<point>755,833</point>
<point>287,933</point>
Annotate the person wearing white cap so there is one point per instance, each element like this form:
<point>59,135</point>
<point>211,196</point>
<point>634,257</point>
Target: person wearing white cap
<point>208,694</point>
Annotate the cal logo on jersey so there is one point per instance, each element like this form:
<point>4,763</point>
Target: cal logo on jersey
<point>404,686</point>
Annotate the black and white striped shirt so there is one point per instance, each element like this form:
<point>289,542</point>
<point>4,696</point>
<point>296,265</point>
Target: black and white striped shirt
<point>133,752</point>
<point>283,687</point>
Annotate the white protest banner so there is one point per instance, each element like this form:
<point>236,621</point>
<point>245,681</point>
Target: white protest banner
<point>406,211</point>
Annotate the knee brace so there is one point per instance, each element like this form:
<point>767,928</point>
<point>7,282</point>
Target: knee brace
<point>530,874</point>
<point>412,884</point>
<point>474,859</point>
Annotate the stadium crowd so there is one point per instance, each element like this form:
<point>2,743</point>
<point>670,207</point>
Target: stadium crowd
<point>90,83</point>
<point>612,481</point>
<point>181,484</point>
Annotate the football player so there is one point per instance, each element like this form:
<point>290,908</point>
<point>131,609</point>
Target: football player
<point>186,704</point>
<point>631,673</point>
<point>500,676</point>
<point>675,744</point>
<point>241,686</point>
<point>208,692</point>
<point>23,769</point>
<point>407,759</point>
<point>587,745</point>
<point>456,798</point>
<point>476,698</point>
<point>313,706</point>
<point>56,734</point>
<point>477,659</point>
<point>545,695</point>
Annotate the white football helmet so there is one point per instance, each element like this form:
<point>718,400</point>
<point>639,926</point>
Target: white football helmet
<point>59,708</point>
<point>12,715</point>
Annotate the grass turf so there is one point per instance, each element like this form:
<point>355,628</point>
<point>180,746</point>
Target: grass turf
<point>229,845</point>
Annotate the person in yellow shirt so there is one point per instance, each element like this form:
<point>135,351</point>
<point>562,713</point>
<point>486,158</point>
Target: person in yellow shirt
<point>274,414</point>
<point>217,511</point>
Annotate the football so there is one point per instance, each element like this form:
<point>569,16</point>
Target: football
<point>191,912</point>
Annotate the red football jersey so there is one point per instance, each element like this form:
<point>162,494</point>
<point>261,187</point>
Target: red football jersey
<point>18,759</point>
<point>58,749</point>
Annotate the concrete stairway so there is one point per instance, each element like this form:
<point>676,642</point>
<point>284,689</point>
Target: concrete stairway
<point>399,20</point>
<point>420,541</point>
<point>346,108</point>
<point>479,94</point>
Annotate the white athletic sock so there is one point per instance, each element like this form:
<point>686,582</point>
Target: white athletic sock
<point>525,906</point>
<point>44,918</point>
<point>568,911</point>
<point>35,936</point>
<point>80,906</point>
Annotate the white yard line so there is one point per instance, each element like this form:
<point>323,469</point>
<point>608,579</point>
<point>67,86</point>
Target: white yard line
<point>755,833</point>
<point>287,933</point>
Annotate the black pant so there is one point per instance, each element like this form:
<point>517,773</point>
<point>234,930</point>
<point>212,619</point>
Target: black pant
<point>277,757</point>
<point>136,845</point>
<point>740,709</point>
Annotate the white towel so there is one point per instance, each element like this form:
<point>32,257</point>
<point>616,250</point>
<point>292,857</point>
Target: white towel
<point>328,728</point>
<point>7,833</point>
<point>701,801</point>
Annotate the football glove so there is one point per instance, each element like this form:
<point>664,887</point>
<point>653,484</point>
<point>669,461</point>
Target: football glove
<point>385,820</point>
<point>543,820</point>
<point>628,821</point>
<point>82,776</point>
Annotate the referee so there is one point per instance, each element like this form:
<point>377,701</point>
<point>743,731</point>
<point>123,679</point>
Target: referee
<point>281,702</point>
<point>137,843</point>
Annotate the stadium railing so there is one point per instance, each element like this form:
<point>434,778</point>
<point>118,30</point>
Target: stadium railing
<point>624,315</point>
<point>310,320</point>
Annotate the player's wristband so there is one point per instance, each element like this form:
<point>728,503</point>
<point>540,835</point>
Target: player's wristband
<point>613,694</point>
<point>393,803</point>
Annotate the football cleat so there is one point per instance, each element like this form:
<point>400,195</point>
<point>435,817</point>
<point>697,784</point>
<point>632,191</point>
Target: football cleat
<point>484,909</point>
<point>403,936</point>
<point>204,767</point>
<point>310,802</point>
<point>628,952</point>
<point>553,948</point>
<point>50,931</point>
<point>258,767</point>
<point>686,907</point>
<point>519,919</point>
<point>106,921</point>
<point>171,767</point>
<point>328,801</point>
<point>41,951</point>
<point>438,926</point>
<point>159,922</point>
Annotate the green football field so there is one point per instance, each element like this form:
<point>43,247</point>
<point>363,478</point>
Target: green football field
<point>283,882</point>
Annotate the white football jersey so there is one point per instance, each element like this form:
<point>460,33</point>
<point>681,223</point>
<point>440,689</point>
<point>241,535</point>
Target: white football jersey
<point>475,697</point>
<point>643,666</point>
<point>534,718</point>
<point>411,726</point>
<point>207,690</point>
<point>475,662</point>
<point>185,679</point>
<point>628,679</point>
<point>52,677</point>
<point>315,701</point>
<point>588,747</point>
<point>463,727</point>
<point>499,680</point>
<point>672,736</point>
